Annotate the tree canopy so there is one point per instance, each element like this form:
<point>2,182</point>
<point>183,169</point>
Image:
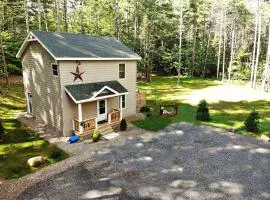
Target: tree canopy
<point>227,39</point>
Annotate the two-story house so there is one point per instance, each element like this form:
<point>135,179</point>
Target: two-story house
<point>75,83</point>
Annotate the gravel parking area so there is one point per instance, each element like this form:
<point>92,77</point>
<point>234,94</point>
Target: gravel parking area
<point>179,162</point>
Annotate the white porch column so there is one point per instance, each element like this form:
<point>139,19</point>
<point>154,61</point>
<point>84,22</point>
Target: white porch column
<point>120,108</point>
<point>80,117</point>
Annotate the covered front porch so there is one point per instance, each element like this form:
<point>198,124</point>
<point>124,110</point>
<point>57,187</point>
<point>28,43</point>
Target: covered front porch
<point>99,105</point>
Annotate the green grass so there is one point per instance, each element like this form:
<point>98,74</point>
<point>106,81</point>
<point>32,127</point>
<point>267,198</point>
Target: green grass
<point>224,114</point>
<point>20,144</point>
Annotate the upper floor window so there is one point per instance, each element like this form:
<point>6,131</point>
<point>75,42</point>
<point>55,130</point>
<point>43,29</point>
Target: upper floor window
<point>55,69</point>
<point>122,71</point>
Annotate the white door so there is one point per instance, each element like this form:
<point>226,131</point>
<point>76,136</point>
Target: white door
<point>102,110</point>
<point>29,103</point>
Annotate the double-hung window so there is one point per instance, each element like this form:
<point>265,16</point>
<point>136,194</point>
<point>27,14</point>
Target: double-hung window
<point>122,71</point>
<point>54,69</point>
<point>123,101</point>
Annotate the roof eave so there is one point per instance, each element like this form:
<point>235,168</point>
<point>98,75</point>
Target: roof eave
<point>97,59</point>
<point>26,42</point>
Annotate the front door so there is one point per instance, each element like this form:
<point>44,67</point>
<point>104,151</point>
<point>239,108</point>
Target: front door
<point>29,103</point>
<point>102,110</point>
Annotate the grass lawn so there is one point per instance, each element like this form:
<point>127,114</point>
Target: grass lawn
<point>229,105</point>
<point>20,144</point>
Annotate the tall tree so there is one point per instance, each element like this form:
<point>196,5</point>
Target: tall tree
<point>266,73</point>
<point>224,45</point>
<point>258,47</point>
<point>26,15</point>
<point>117,20</point>
<point>180,40</point>
<point>65,16</point>
<point>254,45</point>
<point>221,21</point>
<point>233,27</point>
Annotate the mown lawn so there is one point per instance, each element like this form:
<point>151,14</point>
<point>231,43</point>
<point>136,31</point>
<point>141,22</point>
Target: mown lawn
<point>224,114</point>
<point>20,144</point>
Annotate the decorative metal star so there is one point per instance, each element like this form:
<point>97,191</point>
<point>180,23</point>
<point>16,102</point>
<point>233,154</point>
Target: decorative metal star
<point>77,74</point>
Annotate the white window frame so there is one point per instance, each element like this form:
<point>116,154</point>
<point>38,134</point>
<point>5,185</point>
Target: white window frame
<point>119,71</point>
<point>121,101</point>
<point>53,70</point>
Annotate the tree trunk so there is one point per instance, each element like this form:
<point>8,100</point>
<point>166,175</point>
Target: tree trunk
<point>26,15</point>
<point>194,45</point>
<point>224,46</point>
<point>65,16</point>
<point>180,41</point>
<point>232,42</point>
<point>265,78</point>
<point>254,47</point>
<point>57,25</point>
<point>117,28</point>
<point>258,48</point>
<point>4,61</point>
<point>45,14</point>
<point>219,43</point>
<point>39,15</point>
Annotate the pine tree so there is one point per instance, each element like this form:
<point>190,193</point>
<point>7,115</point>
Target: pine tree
<point>252,122</point>
<point>202,113</point>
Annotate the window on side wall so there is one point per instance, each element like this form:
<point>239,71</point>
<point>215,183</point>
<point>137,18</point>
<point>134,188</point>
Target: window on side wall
<point>122,71</point>
<point>55,69</point>
<point>123,98</point>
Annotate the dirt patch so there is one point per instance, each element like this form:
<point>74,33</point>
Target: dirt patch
<point>13,79</point>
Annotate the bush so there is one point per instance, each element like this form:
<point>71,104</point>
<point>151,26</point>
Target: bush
<point>55,153</point>
<point>149,114</point>
<point>2,131</point>
<point>252,122</point>
<point>202,113</point>
<point>123,125</point>
<point>145,109</point>
<point>96,135</point>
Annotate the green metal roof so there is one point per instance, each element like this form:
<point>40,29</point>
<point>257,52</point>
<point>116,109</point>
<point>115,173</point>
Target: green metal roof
<point>86,91</point>
<point>76,46</point>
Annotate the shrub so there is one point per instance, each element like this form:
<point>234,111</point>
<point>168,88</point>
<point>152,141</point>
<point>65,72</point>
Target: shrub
<point>123,125</point>
<point>2,131</point>
<point>145,109</point>
<point>55,153</point>
<point>252,122</point>
<point>202,113</point>
<point>96,135</point>
<point>149,114</point>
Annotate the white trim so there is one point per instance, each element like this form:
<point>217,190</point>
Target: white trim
<point>125,101</point>
<point>94,99</point>
<point>106,110</point>
<point>119,70</point>
<point>100,58</point>
<point>71,96</point>
<point>99,98</point>
<point>21,51</point>
<point>80,117</point>
<point>104,88</point>
<point>54,63</point>
<point>28,102</point>
<point>121,108</point>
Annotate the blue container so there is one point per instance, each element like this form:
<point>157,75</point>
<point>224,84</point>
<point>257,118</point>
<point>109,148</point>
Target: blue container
<point>73,139</point>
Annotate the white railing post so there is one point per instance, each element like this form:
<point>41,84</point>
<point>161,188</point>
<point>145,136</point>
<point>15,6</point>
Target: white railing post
<point>95,122</point>
<point>120,108</point>
<point>109,118</point>
<point>80,117</point>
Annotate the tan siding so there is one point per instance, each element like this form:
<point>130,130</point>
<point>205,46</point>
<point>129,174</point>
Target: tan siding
<point>44,87</point>
<point>96,71</point>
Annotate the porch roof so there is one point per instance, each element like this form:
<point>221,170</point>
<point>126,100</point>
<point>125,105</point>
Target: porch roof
<point>93,91</point>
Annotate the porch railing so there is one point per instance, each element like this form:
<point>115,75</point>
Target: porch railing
<point>114,116</point>
<point>85,125</point>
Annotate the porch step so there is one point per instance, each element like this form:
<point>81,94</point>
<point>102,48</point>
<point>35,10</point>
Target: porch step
<point>105,129</point>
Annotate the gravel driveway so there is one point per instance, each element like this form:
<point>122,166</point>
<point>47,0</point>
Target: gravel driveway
<point>180,162</point>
